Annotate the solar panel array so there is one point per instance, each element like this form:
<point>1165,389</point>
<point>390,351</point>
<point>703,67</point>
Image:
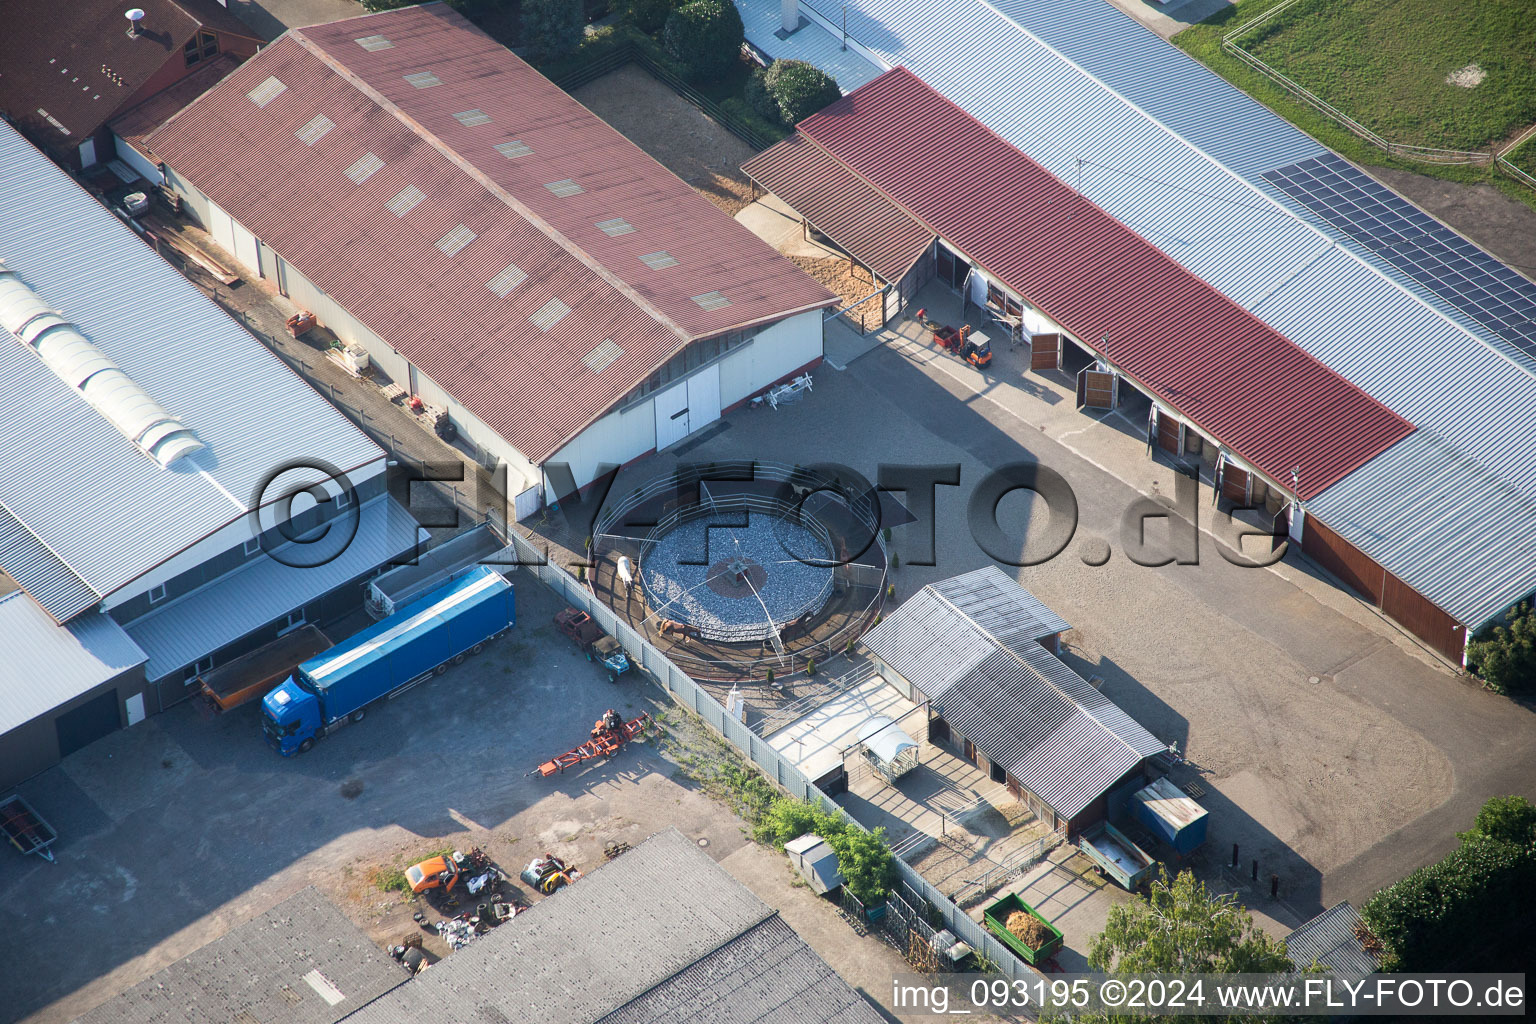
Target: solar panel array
<point>1441,261</point>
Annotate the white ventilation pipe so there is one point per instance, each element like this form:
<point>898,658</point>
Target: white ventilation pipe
<point>87,369</point>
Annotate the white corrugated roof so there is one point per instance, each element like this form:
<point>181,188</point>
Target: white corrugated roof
<point>44,664</point>
<point>87,510</point>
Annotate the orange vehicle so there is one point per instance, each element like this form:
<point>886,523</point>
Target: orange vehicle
<point>473,870</point>
<point>253,675</point>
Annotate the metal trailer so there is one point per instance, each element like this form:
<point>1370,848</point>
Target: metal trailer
<point>253,675</point>
<point>25,828</point>
<point>995,917</point>
<point>1116,856</point>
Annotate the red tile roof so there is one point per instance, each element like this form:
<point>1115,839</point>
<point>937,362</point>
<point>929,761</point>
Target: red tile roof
<point>76,61</point>
<point>1221,368</point>
<point>395,272</point>
<point>849,211</point>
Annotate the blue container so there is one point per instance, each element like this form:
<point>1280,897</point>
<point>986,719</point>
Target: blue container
<point>1171,815</point>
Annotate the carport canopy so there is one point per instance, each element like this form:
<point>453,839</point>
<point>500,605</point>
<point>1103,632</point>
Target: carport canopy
<point>842,206</point>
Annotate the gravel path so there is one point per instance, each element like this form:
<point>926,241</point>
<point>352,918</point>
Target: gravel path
<point>681,137</point>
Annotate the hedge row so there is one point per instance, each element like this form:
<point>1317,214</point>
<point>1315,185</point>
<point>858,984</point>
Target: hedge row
<point>1479,894</point>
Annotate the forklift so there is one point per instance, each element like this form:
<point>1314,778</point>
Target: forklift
<point>977,351</point>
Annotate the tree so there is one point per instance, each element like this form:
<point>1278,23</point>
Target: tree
<point>1509,819</point>
<point>552,27</point>
<point>1179,927</point>
<point>649,16</point>
<point>761,100</point>
<point>705,36</point>
<point>1506,658</point>
<point>800,89</point>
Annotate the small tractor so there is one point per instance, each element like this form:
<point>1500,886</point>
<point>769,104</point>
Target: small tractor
<point>593,642</point>
<point>977,351</point>
<point>549,873</point>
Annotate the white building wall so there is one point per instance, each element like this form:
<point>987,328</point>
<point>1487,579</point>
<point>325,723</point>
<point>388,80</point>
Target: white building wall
<point>779,350</point>
<point>138,161</point>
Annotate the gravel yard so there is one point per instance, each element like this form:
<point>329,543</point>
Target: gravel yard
<point>681,137</point>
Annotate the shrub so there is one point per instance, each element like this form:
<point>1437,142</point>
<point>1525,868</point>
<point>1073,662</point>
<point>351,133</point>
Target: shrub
<point>552,27</point>
<point>649,16</point>
<point>868,868</point>
<point>705,36</point>
<point>761,100</point>
<point>1506,658</point>
<point>1476,895</point>
<point>800,89</point>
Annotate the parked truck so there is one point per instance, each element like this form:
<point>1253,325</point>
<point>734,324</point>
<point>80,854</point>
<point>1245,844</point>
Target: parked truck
<point>253,675</point>
<point>383,661</point>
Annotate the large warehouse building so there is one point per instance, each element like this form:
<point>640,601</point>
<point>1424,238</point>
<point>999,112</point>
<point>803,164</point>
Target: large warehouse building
<point>145,531</point>
<point>1437,527</point>
<point>496,247</point>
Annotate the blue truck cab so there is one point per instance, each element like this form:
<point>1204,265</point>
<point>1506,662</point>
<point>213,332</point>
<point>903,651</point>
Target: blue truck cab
<point>441,627</point>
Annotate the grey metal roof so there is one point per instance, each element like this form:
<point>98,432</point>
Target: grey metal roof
<point>301,962</point>
<point>766,975</point>
<point>1021,705</point>
<point>1329,940</point>
<point>86,497</point>
<point>265,589</point>
<point>44,664</point>
<point>589,949</point>
<point>1178,155</point>
<point>994,601</point>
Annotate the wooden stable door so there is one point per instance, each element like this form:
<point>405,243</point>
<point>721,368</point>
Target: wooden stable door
<point>1168,434</point>
<point>1095,389</point>
<point>1045,352</point>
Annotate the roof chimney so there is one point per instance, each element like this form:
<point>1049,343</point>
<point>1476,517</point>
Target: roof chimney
<point>789,14</point>
<point>134,16</point>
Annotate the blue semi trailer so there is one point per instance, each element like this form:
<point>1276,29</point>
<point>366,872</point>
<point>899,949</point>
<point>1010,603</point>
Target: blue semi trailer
<point>437,629</point>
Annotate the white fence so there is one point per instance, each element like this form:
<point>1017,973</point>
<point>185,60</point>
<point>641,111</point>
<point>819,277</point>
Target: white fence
<point>754,748</point>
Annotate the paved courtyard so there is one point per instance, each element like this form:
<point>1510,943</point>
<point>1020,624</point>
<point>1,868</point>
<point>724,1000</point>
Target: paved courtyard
<point>1332,747</point>
<point>181,827</point>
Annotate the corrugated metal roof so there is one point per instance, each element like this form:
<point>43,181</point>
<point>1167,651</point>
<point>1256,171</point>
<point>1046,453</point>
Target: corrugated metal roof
<point>766,975</point>
<point>811,43</point>
<point>1329,940</point>
<point>1171,150</point>
<point>44,664</point>
<point>876,231</point>
<point>1021,705</point>
<point>664,906</point>
<point>286,966</point>
<point>1236,379</point>
<point>134,125</point>
<point>994,601</point>
<point>87,497</point>
<point>531,387</point>
<point>259,593</point>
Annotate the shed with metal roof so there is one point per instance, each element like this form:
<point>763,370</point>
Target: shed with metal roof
<point>1329,940</point>
<point>1013,707</point>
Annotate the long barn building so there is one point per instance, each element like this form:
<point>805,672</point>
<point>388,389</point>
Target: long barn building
<point>496,248</point>
<point>1070,101</point>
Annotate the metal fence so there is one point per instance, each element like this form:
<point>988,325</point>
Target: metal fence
<point>783,773</point>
